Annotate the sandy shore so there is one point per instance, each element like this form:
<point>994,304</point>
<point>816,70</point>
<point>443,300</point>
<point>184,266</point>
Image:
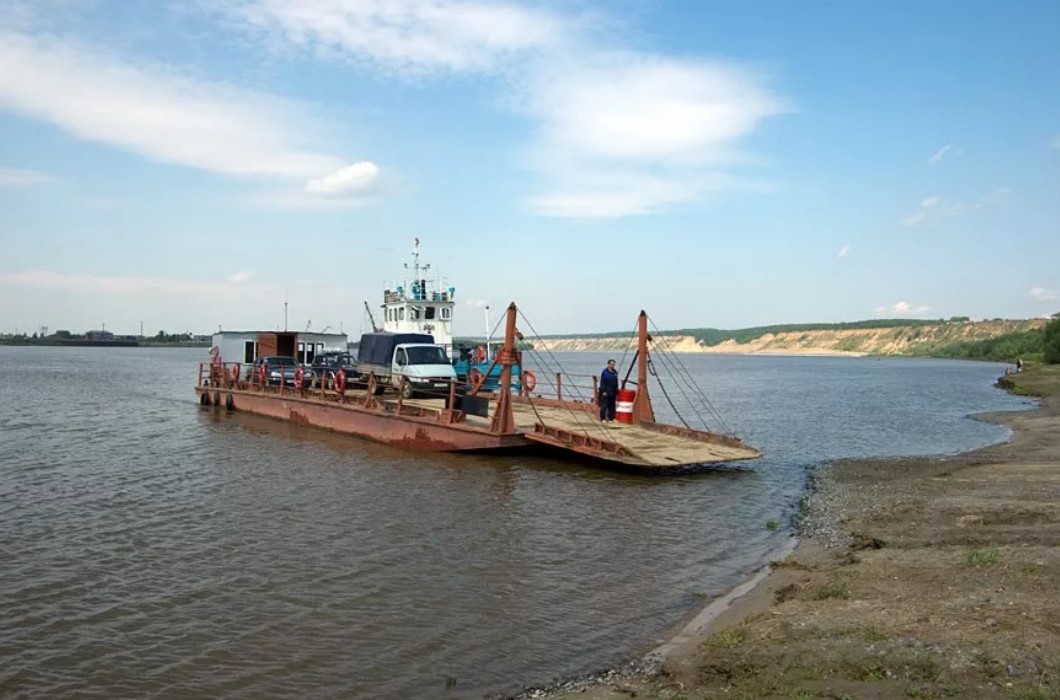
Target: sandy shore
<point>912,578</point>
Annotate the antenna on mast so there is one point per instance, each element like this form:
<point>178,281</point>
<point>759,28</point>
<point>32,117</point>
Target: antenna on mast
<point>285,290</point>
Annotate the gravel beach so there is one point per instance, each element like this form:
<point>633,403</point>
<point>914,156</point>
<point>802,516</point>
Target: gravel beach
<point>911,578</point>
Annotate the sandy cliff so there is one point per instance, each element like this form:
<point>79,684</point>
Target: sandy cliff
<point>857,341</point>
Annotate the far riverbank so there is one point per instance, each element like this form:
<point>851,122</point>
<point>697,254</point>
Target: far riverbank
<point>913,578</point>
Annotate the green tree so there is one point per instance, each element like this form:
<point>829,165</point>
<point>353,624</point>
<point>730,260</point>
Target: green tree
<point>1052,341</point>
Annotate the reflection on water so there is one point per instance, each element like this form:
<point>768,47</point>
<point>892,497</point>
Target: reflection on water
<point>149,547</point>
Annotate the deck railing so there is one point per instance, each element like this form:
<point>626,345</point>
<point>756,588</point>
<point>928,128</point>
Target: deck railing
<point>558,387</point>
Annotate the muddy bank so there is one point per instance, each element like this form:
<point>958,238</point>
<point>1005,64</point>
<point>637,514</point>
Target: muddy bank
<point>912,578</point>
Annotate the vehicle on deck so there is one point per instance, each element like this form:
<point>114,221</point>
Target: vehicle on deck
<point>279,369</point>
<point>325,365</point>
<point>410,362</point>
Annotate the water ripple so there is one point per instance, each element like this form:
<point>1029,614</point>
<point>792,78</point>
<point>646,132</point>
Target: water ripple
<point>150,548</point>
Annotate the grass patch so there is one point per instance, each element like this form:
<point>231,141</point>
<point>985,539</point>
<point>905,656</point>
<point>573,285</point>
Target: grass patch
<point>923,667</point>
<point>866,633</point>
<point>988,556</point>
<point>988,666</point>
<point>788,562</point>
<point>828,590</point>
<point>803,695</point>
<point>1030,570</point>
<point>727,639</point>
<point>771,524</point>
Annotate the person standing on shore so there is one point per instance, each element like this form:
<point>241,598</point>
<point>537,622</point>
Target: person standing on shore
<point>608,392</point>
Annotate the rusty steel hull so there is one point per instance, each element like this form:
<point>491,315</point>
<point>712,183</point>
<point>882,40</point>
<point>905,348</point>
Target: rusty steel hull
<point>424,433</point>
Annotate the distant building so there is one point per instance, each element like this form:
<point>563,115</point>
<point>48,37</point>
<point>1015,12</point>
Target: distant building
<point>99,335</point>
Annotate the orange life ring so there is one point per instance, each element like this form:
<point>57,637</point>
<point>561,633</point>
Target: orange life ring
<point>299,378</point>
<point>475,377</point>
<point>529,381</point>
<point>262,372</point>
<point>235,374</point>
<point>480,354</point>
<point>340,381</point>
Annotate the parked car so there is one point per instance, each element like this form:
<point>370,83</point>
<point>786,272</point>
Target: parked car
<point>328,362</point>
<point>278,368</point>
<point>410,362</point>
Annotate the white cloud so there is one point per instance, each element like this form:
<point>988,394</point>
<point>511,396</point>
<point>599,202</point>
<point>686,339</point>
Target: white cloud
<point>476,303</point>
<point>940,154</point>
<point>938,207</point>
<point>1043,294</point>
<point>406,37</point>
<point>607,195</point>
<point>616,132</point>
<point>621,134</point>
<point>154,112</point>
<point>240,277</point>
<point>13,177</point>
<point>914,219</point>
<point>903,308</point>
<point>353,180</point>
<point>844,251</point>
<point>80,283</point>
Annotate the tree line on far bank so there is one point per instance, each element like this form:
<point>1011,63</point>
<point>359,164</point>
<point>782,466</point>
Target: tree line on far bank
<point>161,338</point>
<point>1039,345</point>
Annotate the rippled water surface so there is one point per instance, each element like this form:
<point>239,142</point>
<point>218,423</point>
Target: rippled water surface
<point>152,548</point>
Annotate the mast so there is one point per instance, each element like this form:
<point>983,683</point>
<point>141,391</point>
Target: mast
<point>503,418</point>
<point>642,409</point>
<point>416,267</point>
<point>488,333</point>
<point>371,318</point>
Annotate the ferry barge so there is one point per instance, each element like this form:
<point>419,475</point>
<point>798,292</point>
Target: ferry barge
<point>472,417</point>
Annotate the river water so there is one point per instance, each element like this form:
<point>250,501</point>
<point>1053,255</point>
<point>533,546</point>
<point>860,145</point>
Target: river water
<point>152,548</point>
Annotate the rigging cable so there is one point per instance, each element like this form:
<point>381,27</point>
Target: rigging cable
<point>710,405</point>
<point>574,414</point>
<point>669,364</point>
<point>662,387</point>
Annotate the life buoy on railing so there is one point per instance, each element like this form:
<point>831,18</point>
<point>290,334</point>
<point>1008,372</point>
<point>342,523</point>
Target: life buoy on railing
<point>479,354</point>
<point>261,374</point>
<point>235,375</point>
<point>340,381</point>
<point>299,378</point>
<point>475,377</point>
<point>529,381</point>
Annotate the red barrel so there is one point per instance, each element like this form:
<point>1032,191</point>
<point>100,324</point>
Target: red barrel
<point>624,405</point>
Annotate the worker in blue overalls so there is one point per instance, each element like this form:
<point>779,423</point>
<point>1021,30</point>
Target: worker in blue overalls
<point>608,392</point>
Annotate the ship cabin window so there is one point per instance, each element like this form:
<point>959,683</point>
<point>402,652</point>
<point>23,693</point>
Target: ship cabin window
<point>446,312</point>
<point>414,313</point>
<point>310,353</point>
<point>401,314</point>
<point>248,351</point>
<point>429,312</point>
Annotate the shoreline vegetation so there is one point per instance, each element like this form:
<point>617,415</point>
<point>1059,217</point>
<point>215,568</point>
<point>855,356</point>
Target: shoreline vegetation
<point>927,577</point>
<point>996,340</point>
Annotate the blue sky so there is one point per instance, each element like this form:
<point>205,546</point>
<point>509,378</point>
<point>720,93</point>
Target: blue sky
<point>192,164</point>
